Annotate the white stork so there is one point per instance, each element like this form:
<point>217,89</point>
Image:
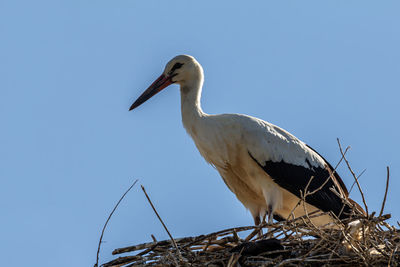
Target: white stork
<point>263,165</point>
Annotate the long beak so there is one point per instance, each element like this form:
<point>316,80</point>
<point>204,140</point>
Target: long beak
<point>159,84</point>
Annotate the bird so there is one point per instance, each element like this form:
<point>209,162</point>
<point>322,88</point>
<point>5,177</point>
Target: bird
<point>266,167</point>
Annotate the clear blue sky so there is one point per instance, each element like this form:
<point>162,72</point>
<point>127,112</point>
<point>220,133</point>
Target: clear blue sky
<point>69,70</point>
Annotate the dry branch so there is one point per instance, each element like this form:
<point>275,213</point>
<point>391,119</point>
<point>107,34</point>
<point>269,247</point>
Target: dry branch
<point>108,219</point>
<point>386,191</point>
<point>354,176</point>
<point>163,224</point>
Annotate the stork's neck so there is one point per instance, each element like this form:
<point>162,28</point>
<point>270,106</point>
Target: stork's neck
<point>190,104</point>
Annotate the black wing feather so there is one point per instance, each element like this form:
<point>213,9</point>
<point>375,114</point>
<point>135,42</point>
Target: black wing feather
<point>295,179</point>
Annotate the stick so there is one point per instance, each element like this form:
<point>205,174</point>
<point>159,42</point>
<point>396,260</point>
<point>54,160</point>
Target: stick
<point>386,190</point>
<point>109,217</point>
<point>355,177</point>
<point>354,183</point>
<point>165,227</point>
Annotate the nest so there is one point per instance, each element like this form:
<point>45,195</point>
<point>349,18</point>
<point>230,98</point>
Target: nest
<point>361,240</point>
<point>288,243</point>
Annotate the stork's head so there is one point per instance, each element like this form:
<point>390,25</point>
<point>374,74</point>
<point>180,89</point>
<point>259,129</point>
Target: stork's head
<point>181,70</point>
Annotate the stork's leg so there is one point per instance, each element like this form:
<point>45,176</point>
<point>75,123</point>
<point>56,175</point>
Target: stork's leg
<point>270,217</point>
<point>257,222</point>
<point>270,214</point>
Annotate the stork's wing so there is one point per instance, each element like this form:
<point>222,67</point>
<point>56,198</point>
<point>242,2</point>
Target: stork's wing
<point>291,164</point>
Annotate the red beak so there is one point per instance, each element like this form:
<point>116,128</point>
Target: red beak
<point>159,84</point>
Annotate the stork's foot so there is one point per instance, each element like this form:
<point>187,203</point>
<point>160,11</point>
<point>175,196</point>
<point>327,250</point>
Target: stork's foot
<point>258,247</point>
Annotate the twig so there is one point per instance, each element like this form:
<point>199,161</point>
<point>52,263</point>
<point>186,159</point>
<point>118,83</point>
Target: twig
<point>109,217</point>
<point>386,190</point>
<point>234,259</point>
<point>358,178</point>
<point>330,177</point>
<point>165,227</point>
<point>355,177</point>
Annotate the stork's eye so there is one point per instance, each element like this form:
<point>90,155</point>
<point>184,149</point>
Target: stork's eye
<point>175,67</point>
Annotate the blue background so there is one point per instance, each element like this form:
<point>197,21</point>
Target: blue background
<point>69,70</point>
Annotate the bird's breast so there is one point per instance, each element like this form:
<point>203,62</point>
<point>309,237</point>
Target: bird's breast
<point>242,176</point>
